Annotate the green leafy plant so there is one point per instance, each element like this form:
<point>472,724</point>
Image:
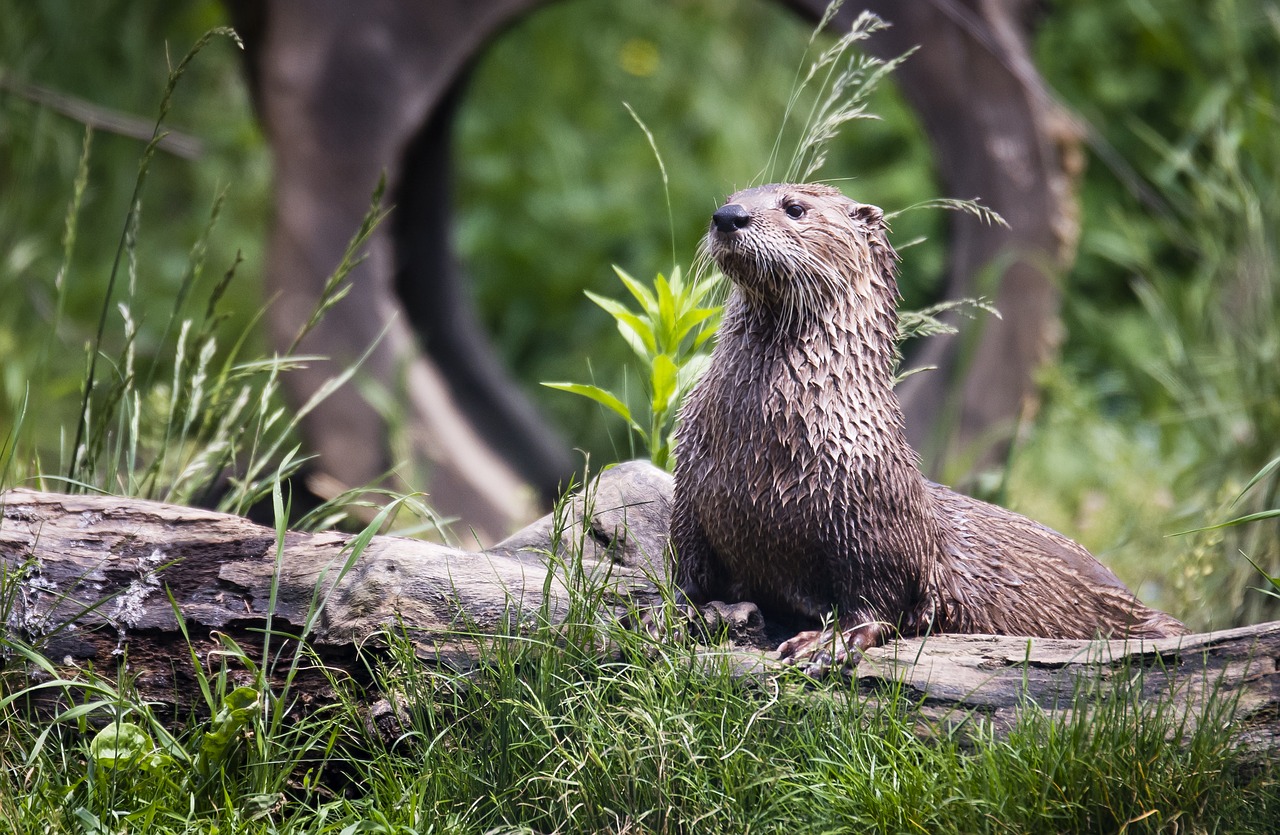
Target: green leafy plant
<point>668,333</point>
<point>125,745</point>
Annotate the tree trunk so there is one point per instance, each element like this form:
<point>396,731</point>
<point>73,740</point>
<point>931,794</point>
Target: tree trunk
<point>345,97</point>
<point>999,135</point>
<point>92,579</point>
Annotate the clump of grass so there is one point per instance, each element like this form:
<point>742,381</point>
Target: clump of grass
<point>845,77</point>
<point>218,418</point>
<point>249,745</point>
<point>544,737</point>
<point>548,736</point>
<point>215,432</point>
<point>128,237</point>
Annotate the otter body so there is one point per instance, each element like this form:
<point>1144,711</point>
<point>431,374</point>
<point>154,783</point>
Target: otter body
<point>795,486</point>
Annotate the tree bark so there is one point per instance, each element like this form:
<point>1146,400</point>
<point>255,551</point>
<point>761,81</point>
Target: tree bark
<point>344,98</point>
<point>92,580</point>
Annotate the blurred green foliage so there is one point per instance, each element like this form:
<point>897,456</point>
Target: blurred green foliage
<point>1165,403</point>
<point>1163,60</point>
<point>1173,308</point>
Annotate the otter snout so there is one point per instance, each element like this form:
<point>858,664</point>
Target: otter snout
<point>730,218</point>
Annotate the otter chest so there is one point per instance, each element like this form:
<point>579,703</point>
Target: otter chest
<point>774,457</point>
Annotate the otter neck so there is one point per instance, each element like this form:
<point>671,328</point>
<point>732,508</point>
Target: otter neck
<point>859,333</point>
<point>829,409</point>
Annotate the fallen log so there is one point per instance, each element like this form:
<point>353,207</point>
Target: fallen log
<point>95,580</point>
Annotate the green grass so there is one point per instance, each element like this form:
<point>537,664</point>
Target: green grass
<point>206,425</point>
<point>585,726</point>
<point>54,292</point>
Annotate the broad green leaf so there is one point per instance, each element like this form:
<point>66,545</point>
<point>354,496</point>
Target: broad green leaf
<point>691,320</point>
<point>664,382</point>
<point>599,395</point>
<point>638,290</point>
<point>677,281</point>
<point>613,307</point>
<point>92,825</point>
<point>237,712</point>
<point>120,744</point>
<point>690,372</point>
<point>641,344</point>
<point>666,315</point>
<point>636,330</point>
<point>710,329</point>
<point>258,806</point>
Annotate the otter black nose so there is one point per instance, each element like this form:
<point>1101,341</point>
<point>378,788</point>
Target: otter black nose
<point>731,217</point>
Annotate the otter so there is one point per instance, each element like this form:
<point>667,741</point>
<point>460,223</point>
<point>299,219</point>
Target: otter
<point>795,487</point>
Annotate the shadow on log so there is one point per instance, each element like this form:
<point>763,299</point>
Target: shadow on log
<point>90,580</point>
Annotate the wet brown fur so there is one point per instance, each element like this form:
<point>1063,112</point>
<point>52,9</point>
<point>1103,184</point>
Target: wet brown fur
<point>795,486</point>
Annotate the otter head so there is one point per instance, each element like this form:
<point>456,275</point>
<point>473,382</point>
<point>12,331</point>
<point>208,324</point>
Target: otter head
<point>803,248</point>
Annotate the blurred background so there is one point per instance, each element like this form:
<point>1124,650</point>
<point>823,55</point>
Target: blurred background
<point>1163,403</point>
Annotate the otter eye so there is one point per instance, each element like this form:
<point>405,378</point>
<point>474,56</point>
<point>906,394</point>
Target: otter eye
<point>794,211</point>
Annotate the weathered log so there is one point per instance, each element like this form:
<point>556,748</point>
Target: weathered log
<point>93,579</point>
<point>1230,675</point>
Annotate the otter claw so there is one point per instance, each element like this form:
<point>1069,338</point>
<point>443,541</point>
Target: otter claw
<point>815,656</point>
<point>817,652</point>
<point>818,665</point>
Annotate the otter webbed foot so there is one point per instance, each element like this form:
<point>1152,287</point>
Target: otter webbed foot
<point>818,651</point>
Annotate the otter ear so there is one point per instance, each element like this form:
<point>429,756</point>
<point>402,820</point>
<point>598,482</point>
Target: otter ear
<point>872,216</point>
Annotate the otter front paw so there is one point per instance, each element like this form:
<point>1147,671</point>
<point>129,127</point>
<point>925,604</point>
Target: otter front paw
<point>818,651</point>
